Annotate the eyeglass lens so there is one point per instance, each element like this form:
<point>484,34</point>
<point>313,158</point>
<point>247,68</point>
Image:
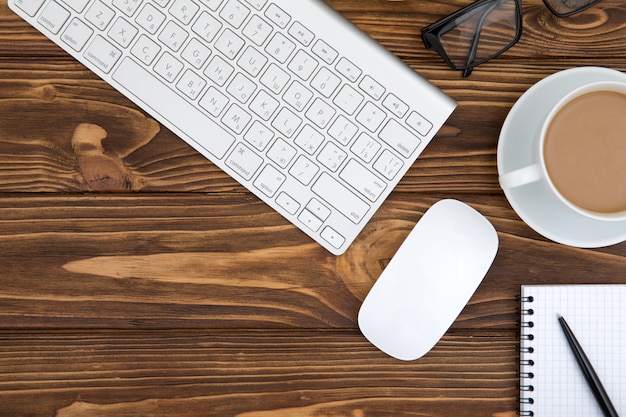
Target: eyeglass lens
<point>495,25</point>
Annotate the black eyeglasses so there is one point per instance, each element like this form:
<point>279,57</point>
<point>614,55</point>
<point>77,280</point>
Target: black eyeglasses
<point>483,30</point>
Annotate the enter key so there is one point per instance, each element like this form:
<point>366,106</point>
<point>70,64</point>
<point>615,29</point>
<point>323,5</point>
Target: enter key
<point>362,179</point>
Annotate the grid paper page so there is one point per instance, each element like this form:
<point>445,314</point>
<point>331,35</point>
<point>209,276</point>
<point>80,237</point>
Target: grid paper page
<point>597,316</point>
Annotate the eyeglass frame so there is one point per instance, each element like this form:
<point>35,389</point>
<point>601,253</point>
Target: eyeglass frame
<point>431,34</point>
<point>573,12</point>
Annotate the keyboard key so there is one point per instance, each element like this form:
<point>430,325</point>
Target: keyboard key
<point>318,209</point>
<point>77,34</point>
<point>102,54</point>
<point>325,52</point>
<point>173,36</point>
<point>304,170</point>
<point>371,117</point>
<point>400,138</point>
<point>278,16</point>
<point>244,161</point>
<point>209,137</point>
<point>298,96</point>
<point>288,203</point>
<point>145,50</point>
<point>395,105</point>
<point>264,105</point>
<point>236,119</point>
<point>286,122</point>
<point>419,123</point>
<point>207,27</point>
<point>100,15</point>
<point>341,198</point>
<point>320,113</point>
<point>150,18</point>
<point>257,30</point>
<point>259,136</point>
<point>191,84</point>
<point>348,69</point>
<point>372,88</point>
<point>234,13</point>
<point>332,156</point>
<point>362,179</point>
<point>269,180</point>
<point>280,48</point>
<point>183,10</point>
<point>348,99</point>
<point>388,164</point>
<point>365,147</point>
<point>310,220</point>
<point>252,61</point>
<point>214,102</point>
<point>168,67</point>
<point>122,32</point>
<point>342,130</point>
<point>229,44</point>
<point>275,78</point>
<point>301,34</point>
<point>241,88</point>
<point>309,140</point>
<point>213,4</point>
<point>303,65</point>
<point>196,53</point>
<point>29,7</point>
<point>53,17</point>
<point>219,71</point>
<point>281,153</point>
<point>325,82</point>
<point>333,237</point>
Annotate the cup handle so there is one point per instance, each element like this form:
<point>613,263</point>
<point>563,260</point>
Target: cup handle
<point>520,177</point>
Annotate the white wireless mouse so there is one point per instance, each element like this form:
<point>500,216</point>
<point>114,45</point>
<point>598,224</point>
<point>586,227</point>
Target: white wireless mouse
<point>429,280</point>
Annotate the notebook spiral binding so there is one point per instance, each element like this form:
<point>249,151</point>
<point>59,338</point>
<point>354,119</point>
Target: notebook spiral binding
<point>525,361</point>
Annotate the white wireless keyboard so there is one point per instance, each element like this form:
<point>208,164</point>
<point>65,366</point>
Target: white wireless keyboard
<point>287,97</point>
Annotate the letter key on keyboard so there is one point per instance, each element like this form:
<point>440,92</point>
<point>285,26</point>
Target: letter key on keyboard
<point>287,97</point>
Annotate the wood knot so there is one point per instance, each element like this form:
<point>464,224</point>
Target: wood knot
<point>47,93</point>
<point>370,254</point>
<point>102,172</point>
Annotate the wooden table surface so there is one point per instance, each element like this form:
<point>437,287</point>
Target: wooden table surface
<point>139,280</point>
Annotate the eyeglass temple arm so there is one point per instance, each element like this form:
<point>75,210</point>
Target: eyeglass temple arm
<point>474,48</point>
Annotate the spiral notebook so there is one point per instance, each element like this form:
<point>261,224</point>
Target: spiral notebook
<point>551,382</point>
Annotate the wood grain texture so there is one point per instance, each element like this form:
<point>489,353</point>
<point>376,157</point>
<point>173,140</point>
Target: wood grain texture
<point>140,280</point>
<point>252,373</point>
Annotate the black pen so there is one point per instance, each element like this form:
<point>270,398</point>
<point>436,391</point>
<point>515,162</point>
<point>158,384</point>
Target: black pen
<point>590,374</point>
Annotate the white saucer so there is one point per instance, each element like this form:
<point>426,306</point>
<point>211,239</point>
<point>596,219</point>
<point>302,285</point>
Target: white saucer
<point>534,203</point>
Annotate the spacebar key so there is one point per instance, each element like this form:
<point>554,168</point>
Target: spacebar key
<point>340,197</point>
<point>181,115</point>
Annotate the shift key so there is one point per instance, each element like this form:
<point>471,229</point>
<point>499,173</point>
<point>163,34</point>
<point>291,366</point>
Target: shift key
<point>340,197</point>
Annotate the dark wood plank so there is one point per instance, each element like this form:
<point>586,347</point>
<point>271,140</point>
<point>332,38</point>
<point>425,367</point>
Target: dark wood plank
<point>252,374</point>
<point>229,261</point>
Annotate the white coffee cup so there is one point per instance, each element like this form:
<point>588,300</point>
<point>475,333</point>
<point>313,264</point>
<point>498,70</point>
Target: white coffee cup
<point>538,170</point>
